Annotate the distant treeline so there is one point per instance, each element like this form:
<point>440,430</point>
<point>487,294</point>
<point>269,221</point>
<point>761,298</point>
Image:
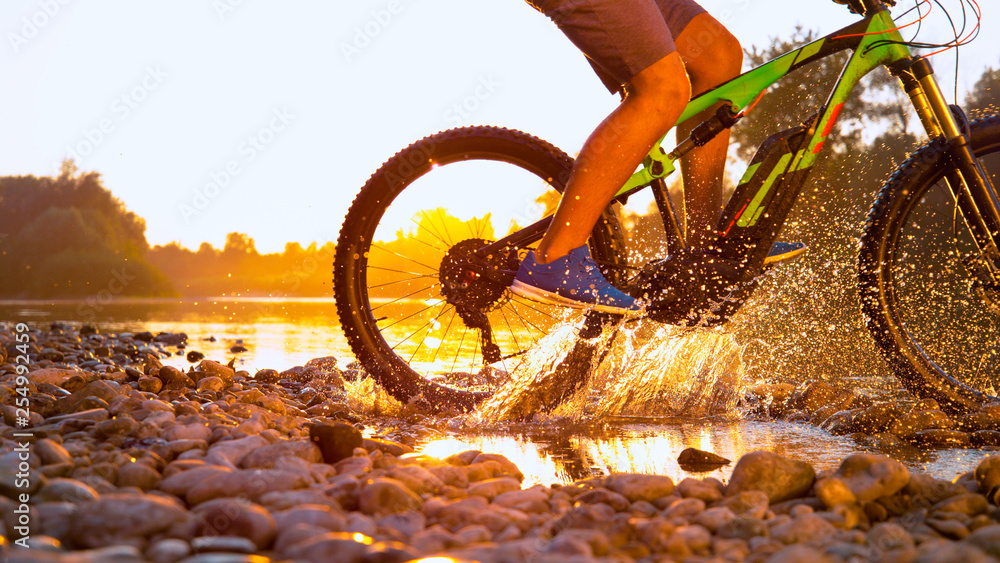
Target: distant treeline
<point>69,237</point>
<point>238,269</point>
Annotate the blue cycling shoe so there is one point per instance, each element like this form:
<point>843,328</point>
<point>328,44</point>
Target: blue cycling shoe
<point>571,281</point>
<point>784,251</point>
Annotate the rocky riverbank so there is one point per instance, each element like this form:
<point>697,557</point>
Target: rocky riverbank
<point>129,459</point>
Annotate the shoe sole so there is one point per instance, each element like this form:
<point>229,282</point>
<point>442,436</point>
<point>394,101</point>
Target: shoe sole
<point>549,298</point>
<point>786,256</point>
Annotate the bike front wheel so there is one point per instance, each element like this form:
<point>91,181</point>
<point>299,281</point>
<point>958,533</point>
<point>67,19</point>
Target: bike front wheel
<point>404,247</point>
<point>924,287</point>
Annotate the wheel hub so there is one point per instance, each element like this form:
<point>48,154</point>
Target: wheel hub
<point>473,282</point>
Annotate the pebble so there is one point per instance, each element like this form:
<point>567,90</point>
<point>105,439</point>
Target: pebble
<point>147,463</point>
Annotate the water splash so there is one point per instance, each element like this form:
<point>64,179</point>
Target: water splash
<point>643,370</point>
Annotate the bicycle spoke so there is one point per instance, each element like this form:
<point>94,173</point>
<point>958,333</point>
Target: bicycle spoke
<point>386,250</point>
<point>398,299</point>
<point>401,281</point>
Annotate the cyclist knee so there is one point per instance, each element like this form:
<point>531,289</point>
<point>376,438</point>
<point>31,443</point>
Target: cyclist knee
<point>711,53</point>
<point>661,88</point>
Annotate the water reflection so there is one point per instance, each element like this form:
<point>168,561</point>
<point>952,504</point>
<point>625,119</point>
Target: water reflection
<point>560,454</point>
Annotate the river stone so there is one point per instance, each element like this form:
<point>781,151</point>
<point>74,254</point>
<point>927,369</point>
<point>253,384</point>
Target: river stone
<point>99,389</point>
<point>150,384</point>
<point>230,452</point>
<point>908,425</point>
<point>604,496</point>
<point>66,490</point>
<point>211,383</point>
<point>934,552</point>
<point>416,478</point>
<point>179,484</point>
<point>382,495</point>
<point>174,379</point>
<point>118,518</point>
<point>984,438</point>
<point>336,441</point>
<point>342,547</point>
<point>55,518</point>
<point>987,539</point>
<point>168,550</point>
<point>236,517</point>
<point>266,456</point>
<point>805,528</point>
<point>50,452</point>
<point>386,446</point>
<point>139,475</point>
<point>636,487</point>
<point>192,431</point>
<point>869,476</point>
<point>122,425</point>
<point>695,460</point>
<point>940,438</point>
<point>988,477</point>
<point>249,483</point>
<point>312,514</point>
<point>52,376</point>
<point>225,373</point>
<point>970,504</point>
<point>508,466</point>
<point>753,504</point>
<point>744,528</point>
<point>686,508</point>
<point>781,478</point>
<point>704,489</point>
<point>533,500</point>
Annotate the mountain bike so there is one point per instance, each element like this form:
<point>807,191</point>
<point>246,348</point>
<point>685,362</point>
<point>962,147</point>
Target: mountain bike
<point>430,245</point>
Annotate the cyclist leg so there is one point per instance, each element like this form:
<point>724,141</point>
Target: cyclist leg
<point>712,56</point>
<point>631,48</point>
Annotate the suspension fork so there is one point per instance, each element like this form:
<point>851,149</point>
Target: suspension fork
<point>968,181</point>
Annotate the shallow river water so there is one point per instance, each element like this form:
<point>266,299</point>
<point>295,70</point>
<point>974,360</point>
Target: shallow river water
<point>280,334</point>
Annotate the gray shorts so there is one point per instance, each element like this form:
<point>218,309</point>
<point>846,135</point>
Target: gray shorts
<point>621,37</point>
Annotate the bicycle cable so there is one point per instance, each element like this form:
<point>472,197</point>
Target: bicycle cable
<point>961,38</point>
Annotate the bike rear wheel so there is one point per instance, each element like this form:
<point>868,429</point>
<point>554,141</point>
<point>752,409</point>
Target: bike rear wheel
<point>922,290</point>
<point>408,234</point>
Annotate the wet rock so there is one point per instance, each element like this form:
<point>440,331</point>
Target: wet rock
<point>150,384</point>
<point>685,508</point>
<point>637,487</point>
<point>753,504</point>
<point>211,383</point>
<point>313,515</point>
<point>236,517</point>
<point>229,453</point>
<point>744,528</point>
<point>416,478</point>
<point>777,476</point>
<point>988,477</point>
<point>969,504</point>
<point>245,483</point>
<point>862,478</point>
<point>508,467</point>
<point>694,460</point>
<point>168,550</point>
<point>139,475</point>
<point>226,373</point>
<point>987,539</point>
<point>950,551</point>
<point>52,376</point>
<point>336,441</point>
<point>382,495</point>
<point>332,546</point>
<point>985,438</point>
<point>266,456</point>
<point>174,379</point>
<point>119,518</point>
<point>50,452</point>
<point>704,489</point>
<point>803,529</point>
<point>939,438</point>
<point>604,496</point>
<point>96,389</point>
<point>908,425</point>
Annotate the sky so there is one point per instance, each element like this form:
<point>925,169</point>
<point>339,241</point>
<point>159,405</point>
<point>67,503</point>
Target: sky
<point>213,116</point>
